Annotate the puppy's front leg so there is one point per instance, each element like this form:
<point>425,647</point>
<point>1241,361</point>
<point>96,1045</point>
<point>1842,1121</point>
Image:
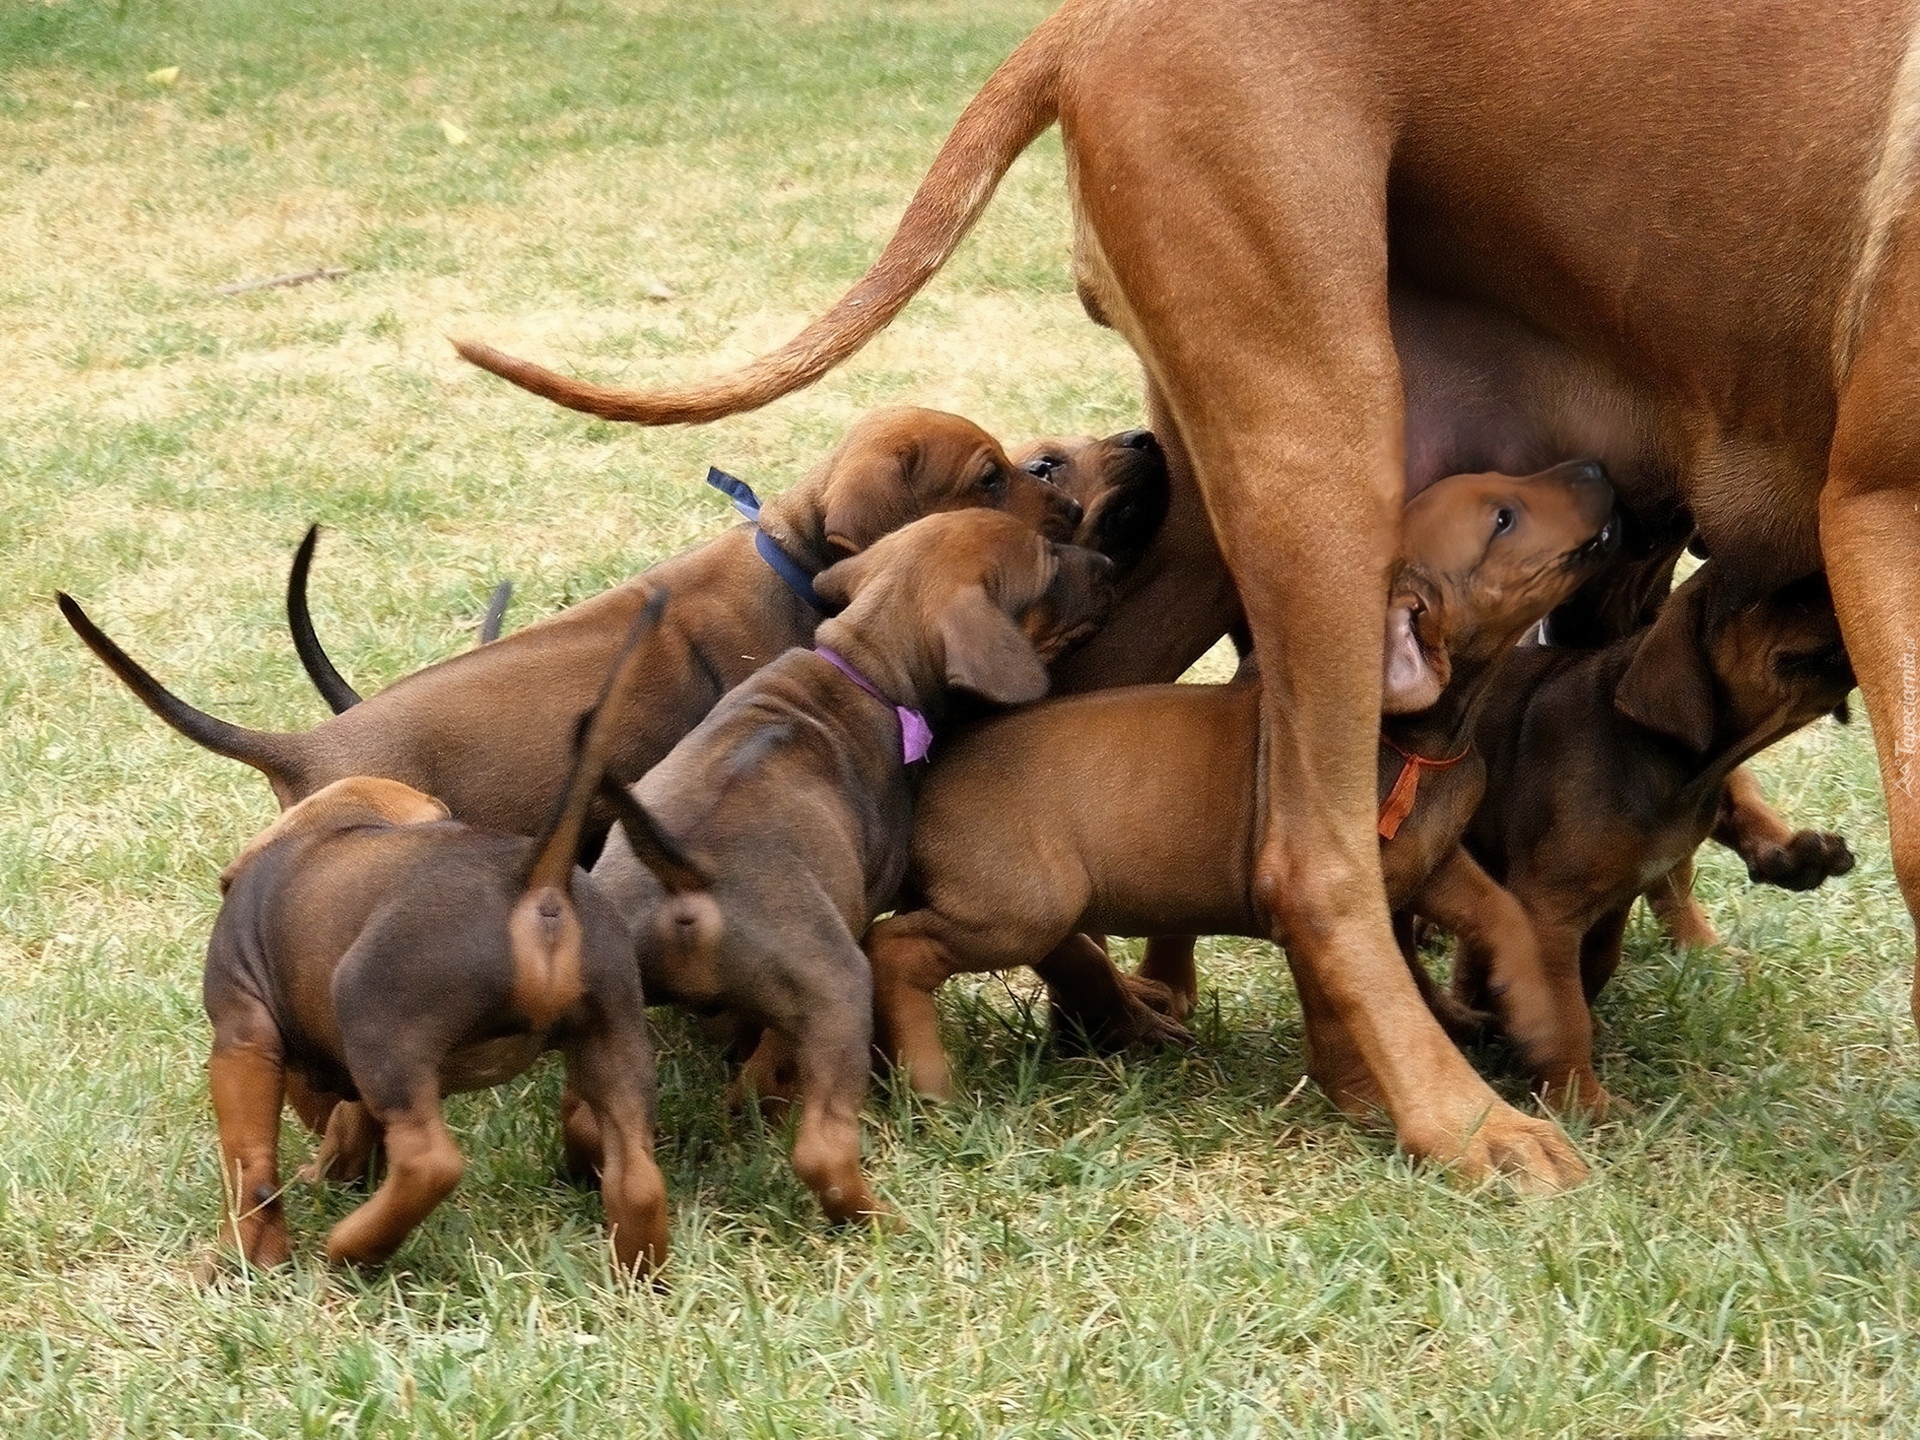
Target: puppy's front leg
<point>1092,1002</point>
<point>1530,966</point>
<point>346,1146</point>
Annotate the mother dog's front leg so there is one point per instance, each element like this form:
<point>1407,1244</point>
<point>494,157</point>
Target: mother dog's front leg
<point>1314,597</point>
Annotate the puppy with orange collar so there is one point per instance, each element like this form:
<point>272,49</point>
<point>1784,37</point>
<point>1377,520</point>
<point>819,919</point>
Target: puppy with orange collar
<point>1136,811</point>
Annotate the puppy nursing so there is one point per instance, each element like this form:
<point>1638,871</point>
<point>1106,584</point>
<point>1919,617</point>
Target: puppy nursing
<point>1136,811</point>
<point>1606,771</point>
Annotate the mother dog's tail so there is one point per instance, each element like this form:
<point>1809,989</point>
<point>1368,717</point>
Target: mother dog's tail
<point>1018,102</point>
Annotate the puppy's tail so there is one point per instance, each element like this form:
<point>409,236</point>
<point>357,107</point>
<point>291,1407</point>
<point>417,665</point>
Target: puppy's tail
<point>1018,102</point>
<point>496,615</point>
<point>278,756</point>
<point>333,688</point>
<point>544,928</point>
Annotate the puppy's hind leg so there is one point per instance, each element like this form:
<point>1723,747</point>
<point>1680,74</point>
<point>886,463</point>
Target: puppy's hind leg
<point>1675,906</point>
<point>248,1080</point>
<point>610,1074</point>
<point>396,1070</point>
<point>829,1030</point>
<point>423,1166</point>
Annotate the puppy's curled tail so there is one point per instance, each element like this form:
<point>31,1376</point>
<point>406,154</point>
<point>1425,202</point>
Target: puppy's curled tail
<point>1018,102</point>
<point>332,685</point>
<point>276,755</point>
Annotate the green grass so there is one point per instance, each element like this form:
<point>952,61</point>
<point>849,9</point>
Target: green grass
<point>1140,1247</point>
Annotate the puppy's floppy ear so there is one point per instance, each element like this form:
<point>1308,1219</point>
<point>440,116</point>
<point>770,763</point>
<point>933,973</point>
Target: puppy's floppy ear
<point>354,800</point>
<point>869,493</point>
<point>1416,668</point>
<point>986,653</point>
<point>1669,686</point>
<point>841,581</point>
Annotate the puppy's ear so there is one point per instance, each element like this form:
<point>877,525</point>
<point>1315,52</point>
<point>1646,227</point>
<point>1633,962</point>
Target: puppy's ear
<point>1416,670</point>
<point>841,581</point>
<point>869,493</point>
<point>355,799</point>
<point>1669,686</point>
<point>986,653</point>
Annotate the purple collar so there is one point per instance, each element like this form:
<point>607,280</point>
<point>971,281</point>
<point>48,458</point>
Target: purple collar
<point>916,736</point>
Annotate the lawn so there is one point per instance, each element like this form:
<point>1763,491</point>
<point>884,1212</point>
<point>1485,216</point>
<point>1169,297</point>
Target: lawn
<point>1182,1243</point>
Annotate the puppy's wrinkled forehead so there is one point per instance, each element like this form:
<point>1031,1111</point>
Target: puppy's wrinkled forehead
<point>980,547</point>
<point>1452,526</point>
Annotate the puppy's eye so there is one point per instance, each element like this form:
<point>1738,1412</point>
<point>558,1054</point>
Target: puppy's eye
<point>1041,466</point>
<point>993,482</point>
<point>1503,519</point>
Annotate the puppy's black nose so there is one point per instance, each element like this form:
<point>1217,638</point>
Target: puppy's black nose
<point>1137,440</point>
<point>1070,510</point>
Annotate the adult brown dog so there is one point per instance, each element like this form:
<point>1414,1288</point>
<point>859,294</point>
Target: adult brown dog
<point>1604,772</point>
<point>1359,245</point>
<point>490,732</point>
<point>1022,837</point>
<point>795,795</point>
<point>389,956</point>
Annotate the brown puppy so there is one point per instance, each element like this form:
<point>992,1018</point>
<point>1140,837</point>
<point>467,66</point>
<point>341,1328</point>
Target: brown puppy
<point>1023,835</point>
<point>796,795</point>
<point>1359,245</point>
<point>1119,483</point>
<point>1606,770</point>
<point>489,732</point>
<point>390,955</point>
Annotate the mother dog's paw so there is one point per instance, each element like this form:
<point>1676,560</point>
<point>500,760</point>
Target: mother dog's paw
<point>1530,1156</point>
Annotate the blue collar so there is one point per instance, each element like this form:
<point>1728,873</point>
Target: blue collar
<point>798,579</point>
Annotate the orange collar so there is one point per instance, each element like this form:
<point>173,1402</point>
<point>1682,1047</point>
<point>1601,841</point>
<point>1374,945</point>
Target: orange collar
<point>1399,802</point>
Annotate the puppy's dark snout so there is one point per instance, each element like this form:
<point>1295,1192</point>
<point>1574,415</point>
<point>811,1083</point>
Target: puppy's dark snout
<point>1137,440</point>
<point>1087,577</point>
<point>1070,510</point>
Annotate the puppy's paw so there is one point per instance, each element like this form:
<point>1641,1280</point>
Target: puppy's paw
<point>1464,1024</point>
<point>1807,860</point>
<point>1144,1017</point>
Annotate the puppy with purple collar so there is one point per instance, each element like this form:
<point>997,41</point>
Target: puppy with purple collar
<point>796,795</point>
